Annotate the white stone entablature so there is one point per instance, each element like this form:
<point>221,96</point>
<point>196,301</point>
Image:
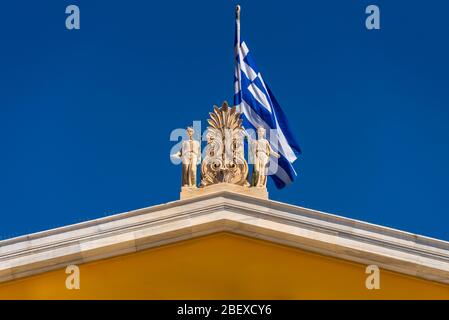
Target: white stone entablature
<point>225,211</point>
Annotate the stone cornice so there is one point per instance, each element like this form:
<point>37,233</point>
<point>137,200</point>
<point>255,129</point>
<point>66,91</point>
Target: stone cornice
<point>282,223</point>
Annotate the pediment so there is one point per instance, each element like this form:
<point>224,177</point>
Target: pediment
<point>310,230</point>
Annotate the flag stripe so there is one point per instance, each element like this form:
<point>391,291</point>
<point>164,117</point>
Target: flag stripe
<point>259,107</point>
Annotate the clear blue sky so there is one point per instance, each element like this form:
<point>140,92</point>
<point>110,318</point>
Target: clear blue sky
<point>85,116</point>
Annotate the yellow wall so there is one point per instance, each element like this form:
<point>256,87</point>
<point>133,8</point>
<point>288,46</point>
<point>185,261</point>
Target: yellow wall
<point>222,266</point>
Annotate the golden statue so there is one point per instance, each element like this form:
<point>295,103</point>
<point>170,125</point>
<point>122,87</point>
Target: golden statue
<point>224,167</point>
<point>190,155</point>
<point>261,151</point>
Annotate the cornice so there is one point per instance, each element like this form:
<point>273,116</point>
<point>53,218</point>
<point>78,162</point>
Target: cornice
<point>278,222</point>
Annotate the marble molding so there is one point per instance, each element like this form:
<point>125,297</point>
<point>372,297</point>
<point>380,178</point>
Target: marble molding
<point>225,211</point>
<point>258,192</point>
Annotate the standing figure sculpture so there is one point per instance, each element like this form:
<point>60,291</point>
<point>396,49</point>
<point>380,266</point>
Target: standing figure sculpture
<point>190,155</point>
<point>261,151</point>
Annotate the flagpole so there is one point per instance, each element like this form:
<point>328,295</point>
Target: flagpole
<point>237,47</point>
<point>237,24</point>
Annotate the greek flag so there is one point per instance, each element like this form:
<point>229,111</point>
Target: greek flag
<point>260,109</point>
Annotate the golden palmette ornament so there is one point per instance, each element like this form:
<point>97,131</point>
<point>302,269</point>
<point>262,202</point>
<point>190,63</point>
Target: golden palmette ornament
<point>224,159</point>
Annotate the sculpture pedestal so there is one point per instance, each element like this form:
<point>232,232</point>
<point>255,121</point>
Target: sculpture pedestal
<point>188,192</point>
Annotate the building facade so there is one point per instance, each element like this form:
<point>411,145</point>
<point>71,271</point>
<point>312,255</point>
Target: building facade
<point>224,245</point>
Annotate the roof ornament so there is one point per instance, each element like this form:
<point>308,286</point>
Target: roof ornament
<point>224,160</point>
<point>224,167</point>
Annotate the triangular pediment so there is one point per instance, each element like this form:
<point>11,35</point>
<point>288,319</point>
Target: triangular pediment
<point>275,222</point>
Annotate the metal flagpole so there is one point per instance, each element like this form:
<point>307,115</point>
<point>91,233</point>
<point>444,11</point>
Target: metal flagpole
<point>237,48</point>
<point>237,24</point>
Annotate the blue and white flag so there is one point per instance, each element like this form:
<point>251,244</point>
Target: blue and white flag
<point>260,109</point>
